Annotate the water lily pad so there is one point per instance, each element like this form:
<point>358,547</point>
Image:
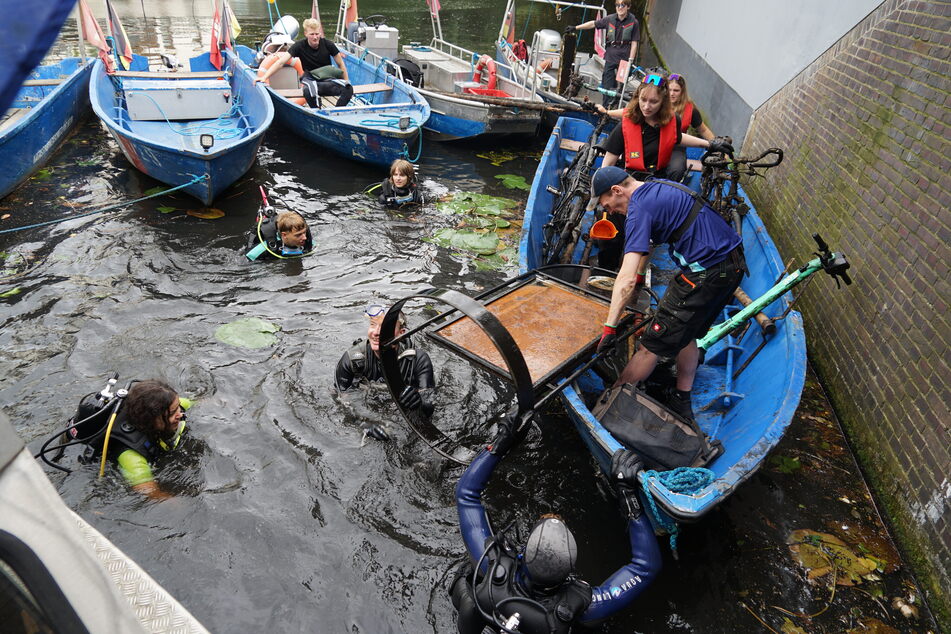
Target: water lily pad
<point>166,210</point>
<point>485,243</point>
<point>248,332</point>
<point>209,213</point>
<point>512,181</point>
<point>820,553</point>
<point>463,203</point>
<point>498,261</point>
<point>10,293</point>
<point>154,190</point>
<point>502,224</point>
<point>785,464</point>
<point>498,157</point>
<point>42,174</point>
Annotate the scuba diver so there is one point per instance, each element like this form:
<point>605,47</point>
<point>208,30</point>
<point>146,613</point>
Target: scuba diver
<point>133,426</point>
<point>401,187</point>
<point>278,235</point>
<point>361,366</point>
<point>533,589</point>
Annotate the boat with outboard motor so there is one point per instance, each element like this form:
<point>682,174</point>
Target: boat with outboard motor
<point>471,95</point>
<point>200,128</point>
<point>49,103</point>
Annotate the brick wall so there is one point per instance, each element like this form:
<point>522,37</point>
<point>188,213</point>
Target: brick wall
<point>867,134</point>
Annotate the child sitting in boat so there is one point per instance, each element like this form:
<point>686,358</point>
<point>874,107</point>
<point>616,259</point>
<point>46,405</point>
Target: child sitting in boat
<point>278,235</point>
<point>401,187</point>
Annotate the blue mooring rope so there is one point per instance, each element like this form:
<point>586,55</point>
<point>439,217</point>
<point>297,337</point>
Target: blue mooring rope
<point>195,179</point>
<point>679,480</point>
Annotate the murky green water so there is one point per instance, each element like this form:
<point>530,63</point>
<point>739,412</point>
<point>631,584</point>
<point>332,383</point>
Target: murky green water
<point>284,519</point>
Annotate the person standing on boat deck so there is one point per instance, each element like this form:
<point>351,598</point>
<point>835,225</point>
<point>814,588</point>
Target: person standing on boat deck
<point>650,137</point>
<point>622,34</point>
<point>320,76</point>
<point>710,255</point>
<point>361,364</point>
<point>537,580</point>
<point>685,109</point>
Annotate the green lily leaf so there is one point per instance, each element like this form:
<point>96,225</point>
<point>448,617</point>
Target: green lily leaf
<point>467,240</point>
<point>13,291</point>
<point>166,210</point>
<point>513,181</point>
<point>154,190</point>
<point>248,332</point>
<point>42,174</point>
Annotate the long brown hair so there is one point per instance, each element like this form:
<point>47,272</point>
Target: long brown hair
<point>148,400</point>
<point>633,109</point>
<point>684,97</point>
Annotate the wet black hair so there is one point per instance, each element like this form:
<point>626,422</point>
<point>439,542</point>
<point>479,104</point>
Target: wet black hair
<point>148,400</point>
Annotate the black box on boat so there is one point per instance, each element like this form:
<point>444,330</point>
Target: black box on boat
<point>662,438</point>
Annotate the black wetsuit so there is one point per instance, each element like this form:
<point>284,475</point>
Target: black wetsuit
<point>360,362</point>
<point>393,196</point>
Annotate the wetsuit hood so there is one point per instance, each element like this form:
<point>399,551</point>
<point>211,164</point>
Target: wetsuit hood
<point>550,553</point>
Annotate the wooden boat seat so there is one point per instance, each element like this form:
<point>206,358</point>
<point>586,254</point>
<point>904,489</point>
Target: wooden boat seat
<point>289,93</point>
<point>529,312</point>
<point>571,145</point>
<point>132,74</point>
<point>363,89</point>
<point>45,82</point>
<point>12,116</point>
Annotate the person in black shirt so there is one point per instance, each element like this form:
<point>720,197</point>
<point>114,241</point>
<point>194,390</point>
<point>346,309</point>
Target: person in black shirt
<point>622,34</point>
<point>321,77</point>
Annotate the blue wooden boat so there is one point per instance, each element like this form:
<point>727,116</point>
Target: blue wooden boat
<point>748,414</point>
<point>201,128</point>
<point>383,121</point>
<point>49,103</point>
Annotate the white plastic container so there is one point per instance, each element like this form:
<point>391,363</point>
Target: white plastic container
<point>182,100</point>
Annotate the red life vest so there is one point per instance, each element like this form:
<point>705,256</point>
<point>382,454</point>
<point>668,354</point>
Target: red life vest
<point>634,145</point>
<point>686,117</point>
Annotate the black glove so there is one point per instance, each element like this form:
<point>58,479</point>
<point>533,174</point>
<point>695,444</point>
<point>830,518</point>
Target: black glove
<point>375,430</point>
<point>608,338</point>
<point>720,144</point>
<point>511,432</point>
<point>571,28</point>
<point>410,398</point>
<point>625,465</point>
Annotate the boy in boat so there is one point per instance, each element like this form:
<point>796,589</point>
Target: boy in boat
<point>710,255</point>
<point>534,588</point>
<point>361,366</point>
<point>623,32</point>
<point>321,77</point>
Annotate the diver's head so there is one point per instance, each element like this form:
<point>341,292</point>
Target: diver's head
<point>154,408</point>
<point>550,552</point>
<point>292,228</point>
<point>376,312</point>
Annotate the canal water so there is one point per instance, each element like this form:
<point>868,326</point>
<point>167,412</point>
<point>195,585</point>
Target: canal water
<point>285,517</point>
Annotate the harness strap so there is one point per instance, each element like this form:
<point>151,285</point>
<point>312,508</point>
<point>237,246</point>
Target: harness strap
<point>698,203</point>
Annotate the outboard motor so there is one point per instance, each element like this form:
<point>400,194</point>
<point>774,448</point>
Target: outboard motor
<point>357,32</point>
<point>411,73</point>
<point>547,46</point>
<point>287,25</point>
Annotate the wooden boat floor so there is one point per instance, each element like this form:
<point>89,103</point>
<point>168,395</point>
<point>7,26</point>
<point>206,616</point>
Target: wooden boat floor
<point>12,116</point>
<point>550,323</point>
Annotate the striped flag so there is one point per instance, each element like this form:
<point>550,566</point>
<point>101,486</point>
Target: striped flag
<point>214,47</point>
<point>434,5</point>
<point>230,29</point>
<point>119,39</point>
<point>94,35</point>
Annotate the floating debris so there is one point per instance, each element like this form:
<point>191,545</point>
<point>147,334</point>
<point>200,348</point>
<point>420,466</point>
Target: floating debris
<point>208,214</point>
<point>821,554</point>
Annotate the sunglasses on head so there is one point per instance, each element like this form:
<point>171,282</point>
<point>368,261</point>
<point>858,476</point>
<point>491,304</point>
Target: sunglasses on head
<point>673,77</point>
<point>657,80</point>
<point>374,310</point>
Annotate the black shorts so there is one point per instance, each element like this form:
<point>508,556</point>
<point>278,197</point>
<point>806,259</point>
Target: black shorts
<point>692,303</point>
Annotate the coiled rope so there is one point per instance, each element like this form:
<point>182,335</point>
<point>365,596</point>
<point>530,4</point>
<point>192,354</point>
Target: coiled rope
<point>195,179</point>
<point>679,480</point>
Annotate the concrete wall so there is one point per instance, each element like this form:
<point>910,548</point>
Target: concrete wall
<point>737,53</point>
<point>867,134</point>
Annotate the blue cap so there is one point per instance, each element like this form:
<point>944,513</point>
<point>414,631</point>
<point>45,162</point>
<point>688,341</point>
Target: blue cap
<point>604,178</point>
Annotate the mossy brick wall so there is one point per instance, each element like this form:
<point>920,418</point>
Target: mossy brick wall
<point>867,133</point>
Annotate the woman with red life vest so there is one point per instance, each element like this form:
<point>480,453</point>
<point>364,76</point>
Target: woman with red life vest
<point>650,132</point>
<point>684,108</point>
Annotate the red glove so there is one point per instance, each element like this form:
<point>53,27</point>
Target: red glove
<point>608,338</point>
<point>639,280</point>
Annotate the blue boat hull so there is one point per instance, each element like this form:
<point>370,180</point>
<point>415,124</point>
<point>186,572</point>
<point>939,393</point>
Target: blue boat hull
<point>27,143</point>
<point>367,133</point>
<point>176,158</point>
<point>748,415</point>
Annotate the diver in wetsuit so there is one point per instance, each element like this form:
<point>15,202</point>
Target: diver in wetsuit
<point>537,581</point>
<point>401,187</point>
<point>361,364</point>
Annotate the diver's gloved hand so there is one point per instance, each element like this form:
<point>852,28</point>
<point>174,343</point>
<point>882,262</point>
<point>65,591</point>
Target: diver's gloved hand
<point>721,144</point>
<point>608,338</point>
<point>375,430</point>
<point>571,28</point>
<point>625,465</point>
<point>512,431</point>
<point>410,398</point>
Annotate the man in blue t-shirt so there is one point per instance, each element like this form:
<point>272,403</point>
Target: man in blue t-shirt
<point>710,255</point>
